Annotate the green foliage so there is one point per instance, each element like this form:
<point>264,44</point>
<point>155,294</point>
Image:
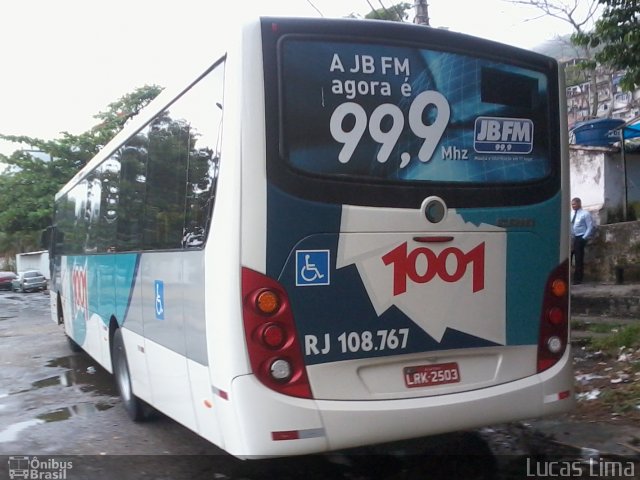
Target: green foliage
<point>617,33</point>
<point>31,180</point>
<point>627,336</point>
<point>395,13</point>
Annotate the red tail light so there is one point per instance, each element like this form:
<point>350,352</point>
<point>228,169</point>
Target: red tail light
<point>274,350</point>
<point>554,324</point>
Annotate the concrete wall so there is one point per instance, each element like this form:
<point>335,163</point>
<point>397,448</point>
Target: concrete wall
<point>597,178</point>
<point>33,261</point>
<point>614,244</point>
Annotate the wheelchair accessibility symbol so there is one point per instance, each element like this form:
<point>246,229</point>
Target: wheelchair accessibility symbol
<point>159,299</point>
<point>312,268</point>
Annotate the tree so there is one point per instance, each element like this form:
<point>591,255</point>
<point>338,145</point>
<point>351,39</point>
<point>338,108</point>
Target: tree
<point>618,33</point>
<point>580,14</point>
<point>395,13</point>
<point>33,176</point>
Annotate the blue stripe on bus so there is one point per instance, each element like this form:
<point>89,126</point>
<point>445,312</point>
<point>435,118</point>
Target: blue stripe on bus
<point>106,292</point>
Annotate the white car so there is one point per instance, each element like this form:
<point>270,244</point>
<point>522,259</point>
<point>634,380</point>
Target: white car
<point>29,280</point>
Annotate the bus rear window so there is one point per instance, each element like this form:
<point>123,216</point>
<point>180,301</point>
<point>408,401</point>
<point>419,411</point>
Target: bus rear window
<point>388,113</point>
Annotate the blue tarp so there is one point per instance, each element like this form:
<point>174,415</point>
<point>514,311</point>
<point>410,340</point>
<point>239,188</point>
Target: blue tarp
<point>603,131</point>
<point>632,131</point>
<point>599,132</point>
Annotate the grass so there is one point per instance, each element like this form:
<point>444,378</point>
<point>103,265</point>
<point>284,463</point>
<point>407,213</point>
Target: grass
<point>627,336</point>
<point>623,400</point>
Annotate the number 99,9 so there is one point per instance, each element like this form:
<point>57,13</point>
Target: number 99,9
<point>430,133</point>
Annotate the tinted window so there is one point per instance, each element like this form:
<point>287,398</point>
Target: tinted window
<point>398,113</point>
<point>156,191</point>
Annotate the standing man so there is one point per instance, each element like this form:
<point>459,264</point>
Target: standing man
<point>581,232</point>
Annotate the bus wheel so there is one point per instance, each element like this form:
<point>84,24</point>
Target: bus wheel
<point>132,404</point>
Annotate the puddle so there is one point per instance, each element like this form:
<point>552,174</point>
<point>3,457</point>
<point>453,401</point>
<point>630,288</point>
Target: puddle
<point>66,413</point>
<point>10,434</point>
<point>82,373</point>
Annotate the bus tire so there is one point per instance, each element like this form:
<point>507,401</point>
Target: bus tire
<point>133,405</point>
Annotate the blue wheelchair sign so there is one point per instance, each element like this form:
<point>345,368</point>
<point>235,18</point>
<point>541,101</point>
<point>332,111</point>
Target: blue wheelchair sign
<point>312,268</point>
<point>159,299</point>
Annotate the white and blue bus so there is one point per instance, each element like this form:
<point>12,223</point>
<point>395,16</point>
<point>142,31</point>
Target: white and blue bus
<point>344,232</point>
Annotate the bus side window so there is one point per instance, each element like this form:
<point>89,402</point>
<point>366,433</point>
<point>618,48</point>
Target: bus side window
<point>169,140</point>
<point>204,107</point>
<point>132,191</point>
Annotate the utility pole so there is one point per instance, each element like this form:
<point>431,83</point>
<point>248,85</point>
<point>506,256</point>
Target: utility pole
<point>422,12</point>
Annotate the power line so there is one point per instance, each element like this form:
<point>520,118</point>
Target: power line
<point>316,8</point>
<point>374,10</point>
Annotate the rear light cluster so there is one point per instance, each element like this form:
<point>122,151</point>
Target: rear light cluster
<point>554,324</point>
<point>274,351</point>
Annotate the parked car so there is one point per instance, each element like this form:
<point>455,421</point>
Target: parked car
<point>5,280</point>
<point>29,280</point>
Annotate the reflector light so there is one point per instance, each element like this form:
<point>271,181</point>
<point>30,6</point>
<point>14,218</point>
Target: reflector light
<point>564,395</point>
<point>285,435</point>
<point>268,302</point>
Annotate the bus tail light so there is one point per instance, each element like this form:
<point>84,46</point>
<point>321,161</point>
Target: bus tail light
<point>273,347</point>
<point>554,324</point>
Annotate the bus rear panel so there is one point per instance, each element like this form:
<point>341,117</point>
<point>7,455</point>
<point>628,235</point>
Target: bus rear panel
<point>415,248</point>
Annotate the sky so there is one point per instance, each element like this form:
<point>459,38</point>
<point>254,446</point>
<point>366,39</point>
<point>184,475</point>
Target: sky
<point>64,61</point>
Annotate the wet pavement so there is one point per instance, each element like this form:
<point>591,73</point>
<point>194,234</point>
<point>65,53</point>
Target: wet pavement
<point>62,406</point>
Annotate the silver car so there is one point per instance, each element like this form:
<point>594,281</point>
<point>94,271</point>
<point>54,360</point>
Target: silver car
<point>29,281</point>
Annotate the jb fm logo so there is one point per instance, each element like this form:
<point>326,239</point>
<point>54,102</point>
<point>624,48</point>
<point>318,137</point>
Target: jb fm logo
<point>422,265</point>
<point>503,135</point>
<point>79,288</point>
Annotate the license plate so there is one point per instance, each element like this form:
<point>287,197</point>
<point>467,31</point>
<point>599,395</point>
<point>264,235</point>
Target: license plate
<point>430,375</point>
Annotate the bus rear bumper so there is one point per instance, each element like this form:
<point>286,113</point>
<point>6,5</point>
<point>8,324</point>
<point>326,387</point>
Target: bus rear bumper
<point>275,425</point>
<point>349,424</point>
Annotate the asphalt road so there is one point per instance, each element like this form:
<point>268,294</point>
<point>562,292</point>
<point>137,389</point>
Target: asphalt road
<point>60,417</point>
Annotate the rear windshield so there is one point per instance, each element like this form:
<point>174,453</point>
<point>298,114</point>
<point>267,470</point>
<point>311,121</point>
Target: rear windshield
<point>402,113</point>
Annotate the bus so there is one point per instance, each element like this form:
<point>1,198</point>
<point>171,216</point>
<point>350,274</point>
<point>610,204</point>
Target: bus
<point>342,233</point>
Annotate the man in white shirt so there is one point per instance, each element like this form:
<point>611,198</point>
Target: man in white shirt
<point>581,232</point>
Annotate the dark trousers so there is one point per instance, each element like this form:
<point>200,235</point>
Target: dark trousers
<point>577,251</point>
